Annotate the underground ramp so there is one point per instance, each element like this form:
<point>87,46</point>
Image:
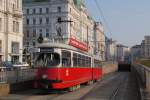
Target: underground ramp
<point>124,67</point>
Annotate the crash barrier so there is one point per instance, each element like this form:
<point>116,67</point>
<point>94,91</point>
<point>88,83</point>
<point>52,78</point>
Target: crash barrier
<point>143,74</point>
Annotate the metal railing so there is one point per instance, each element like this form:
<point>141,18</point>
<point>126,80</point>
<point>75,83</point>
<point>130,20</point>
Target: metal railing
<point>16,76</point>
<point>143,72</point>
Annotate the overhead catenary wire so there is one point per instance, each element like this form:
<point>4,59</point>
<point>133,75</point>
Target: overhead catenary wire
<point>103,17</point>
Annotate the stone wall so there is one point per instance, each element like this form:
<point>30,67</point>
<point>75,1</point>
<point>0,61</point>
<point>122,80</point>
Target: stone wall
<point>109,68</point>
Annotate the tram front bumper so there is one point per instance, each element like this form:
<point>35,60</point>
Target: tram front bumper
<point>46,84</point>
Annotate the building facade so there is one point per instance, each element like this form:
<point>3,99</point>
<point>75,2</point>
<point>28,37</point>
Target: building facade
<point>122,53</point>
<point>110,49</point>
<point>136,52</point>
<point>146,47</point>
<point>64,21</point>
<point>11,33</point>
<point>99,41</point>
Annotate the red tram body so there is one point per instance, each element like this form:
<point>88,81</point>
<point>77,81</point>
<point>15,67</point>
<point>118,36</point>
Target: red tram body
<point>65,68</point>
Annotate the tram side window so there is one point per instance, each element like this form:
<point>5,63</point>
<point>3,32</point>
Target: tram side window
<point>86,62</point>
<point>89,60</point>
<point>66,58</point>
<point>97,63</point>
<point>79,61</point>
<point>75,60</point>
<point>82,61</point>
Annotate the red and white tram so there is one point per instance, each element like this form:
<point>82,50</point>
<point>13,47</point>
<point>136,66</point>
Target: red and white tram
<point>61,66</point>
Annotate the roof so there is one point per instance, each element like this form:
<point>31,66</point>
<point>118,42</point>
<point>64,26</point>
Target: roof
<point>56,45</point>
<point>60,45</point>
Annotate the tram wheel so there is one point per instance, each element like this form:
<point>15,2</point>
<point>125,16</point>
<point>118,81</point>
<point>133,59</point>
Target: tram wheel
<point>90,82</point>
<point>73,88</point>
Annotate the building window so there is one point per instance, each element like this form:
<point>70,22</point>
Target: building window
<point>27,43</point>
<point>0,24</point>
<point>47,33</point>
<point>47,10</point>
<point>15,47</point>
<point>47,20</point>
<point>34,32</point>
<point>59,9</point>
<point>15,26</point>
<point>34,11</point>
<point>0,46</point>
<point>13,6</point>
<point>28,33</point>
<point>40,31</point>
<point>27,21</point>
<point>28,11</point>
<point>33,43</point>
<point>40,10</point>
<point>34,21</point>
<point>40,20</point>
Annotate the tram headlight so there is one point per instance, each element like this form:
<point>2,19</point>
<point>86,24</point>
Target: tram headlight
<point>44,76</point>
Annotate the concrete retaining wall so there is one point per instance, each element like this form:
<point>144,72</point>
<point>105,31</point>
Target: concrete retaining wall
<point>4,89</point>
<point>21,86</point>
<point>109,68</point>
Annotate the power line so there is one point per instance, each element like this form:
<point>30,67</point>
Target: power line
<point>103,17</point>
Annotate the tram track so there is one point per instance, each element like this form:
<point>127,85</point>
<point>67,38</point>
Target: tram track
<point>101,84</point>
<point>116,91</point>
<point>122,87</point>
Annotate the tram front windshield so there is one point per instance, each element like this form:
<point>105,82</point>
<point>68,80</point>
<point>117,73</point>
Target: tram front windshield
<point>47,60</point>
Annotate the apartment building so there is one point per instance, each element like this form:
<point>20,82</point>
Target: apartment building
<point>11,31</point>
<point>65,21</point>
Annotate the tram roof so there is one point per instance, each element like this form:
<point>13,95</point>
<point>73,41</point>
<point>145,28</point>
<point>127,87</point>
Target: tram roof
<point>60,45</point>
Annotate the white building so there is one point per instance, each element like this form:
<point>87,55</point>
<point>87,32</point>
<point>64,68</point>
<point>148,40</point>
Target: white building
<point>11,33</point>
<point>64,21</point>
<point>123,53</point>
<point>111,50</point>
<point>146,47</point>
<point>99,41</point>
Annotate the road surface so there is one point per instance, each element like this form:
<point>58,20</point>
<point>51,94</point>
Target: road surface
<point>115,86</point>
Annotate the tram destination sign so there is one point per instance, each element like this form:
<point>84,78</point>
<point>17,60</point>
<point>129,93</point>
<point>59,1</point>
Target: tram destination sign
<point>46,49</point>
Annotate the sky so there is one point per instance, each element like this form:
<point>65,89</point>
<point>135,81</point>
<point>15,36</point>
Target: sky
<point>128,21</point>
